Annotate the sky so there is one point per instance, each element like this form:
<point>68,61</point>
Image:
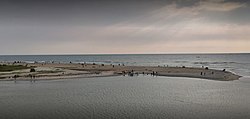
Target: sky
<point>124,26</point>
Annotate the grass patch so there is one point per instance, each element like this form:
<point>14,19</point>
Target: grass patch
<point>49,71</point>
<point>7,68</point>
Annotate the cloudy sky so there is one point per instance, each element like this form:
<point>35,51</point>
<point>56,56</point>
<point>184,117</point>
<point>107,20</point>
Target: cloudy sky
<point>124,26</point>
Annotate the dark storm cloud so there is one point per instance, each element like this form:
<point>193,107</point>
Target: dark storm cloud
<point>82,12</point>
<point>73,11</point>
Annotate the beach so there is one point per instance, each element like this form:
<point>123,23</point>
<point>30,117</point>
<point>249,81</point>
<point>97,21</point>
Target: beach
<point>48,71</point>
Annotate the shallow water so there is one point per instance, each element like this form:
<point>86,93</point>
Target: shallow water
<point>125,97</point>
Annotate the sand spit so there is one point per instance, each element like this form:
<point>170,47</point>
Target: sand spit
<point>47,71</point>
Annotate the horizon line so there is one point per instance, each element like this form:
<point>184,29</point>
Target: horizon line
<point>131,53</point>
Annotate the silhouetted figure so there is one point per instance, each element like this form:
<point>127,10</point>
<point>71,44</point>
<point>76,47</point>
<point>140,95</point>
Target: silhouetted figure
<point>201,73</point>
<point>15,76</point>
<point>130,74</point>
<point>30,76</point>
<point>137,73</point>
<point>212,72</point>
<point>15,79</point>
<point>123,72</point>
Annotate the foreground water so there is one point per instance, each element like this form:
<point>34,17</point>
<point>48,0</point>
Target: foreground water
<point>125,97</point>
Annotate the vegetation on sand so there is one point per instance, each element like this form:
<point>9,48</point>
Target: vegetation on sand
<point>32,70</point>
<point>6,68</point>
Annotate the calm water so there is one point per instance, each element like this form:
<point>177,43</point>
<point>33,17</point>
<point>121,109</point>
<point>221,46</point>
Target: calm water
<point>125,97</point>
<point>131,97</point>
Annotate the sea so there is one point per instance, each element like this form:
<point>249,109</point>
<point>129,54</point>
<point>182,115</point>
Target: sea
<point>131,97</point>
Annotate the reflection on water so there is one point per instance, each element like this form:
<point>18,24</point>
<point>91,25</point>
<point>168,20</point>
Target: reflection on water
<point>125,97</point>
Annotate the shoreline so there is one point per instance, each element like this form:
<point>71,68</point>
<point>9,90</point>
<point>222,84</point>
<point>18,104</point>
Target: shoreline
<point>56,71</point>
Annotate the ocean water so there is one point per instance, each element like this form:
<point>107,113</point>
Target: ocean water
<point>131,97</point>
<point>237,63</point>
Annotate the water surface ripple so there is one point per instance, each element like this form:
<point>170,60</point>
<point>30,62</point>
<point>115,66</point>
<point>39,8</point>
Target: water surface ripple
<point>125,97</point>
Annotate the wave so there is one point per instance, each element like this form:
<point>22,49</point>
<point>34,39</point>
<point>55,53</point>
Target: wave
<point>216,63</point>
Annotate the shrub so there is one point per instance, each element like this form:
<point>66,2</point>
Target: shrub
<point>32,70</point>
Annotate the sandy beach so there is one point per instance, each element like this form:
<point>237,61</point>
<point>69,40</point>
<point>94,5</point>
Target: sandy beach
<point>48,71</point>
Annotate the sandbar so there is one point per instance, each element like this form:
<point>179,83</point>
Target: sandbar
<point>48,71</point>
